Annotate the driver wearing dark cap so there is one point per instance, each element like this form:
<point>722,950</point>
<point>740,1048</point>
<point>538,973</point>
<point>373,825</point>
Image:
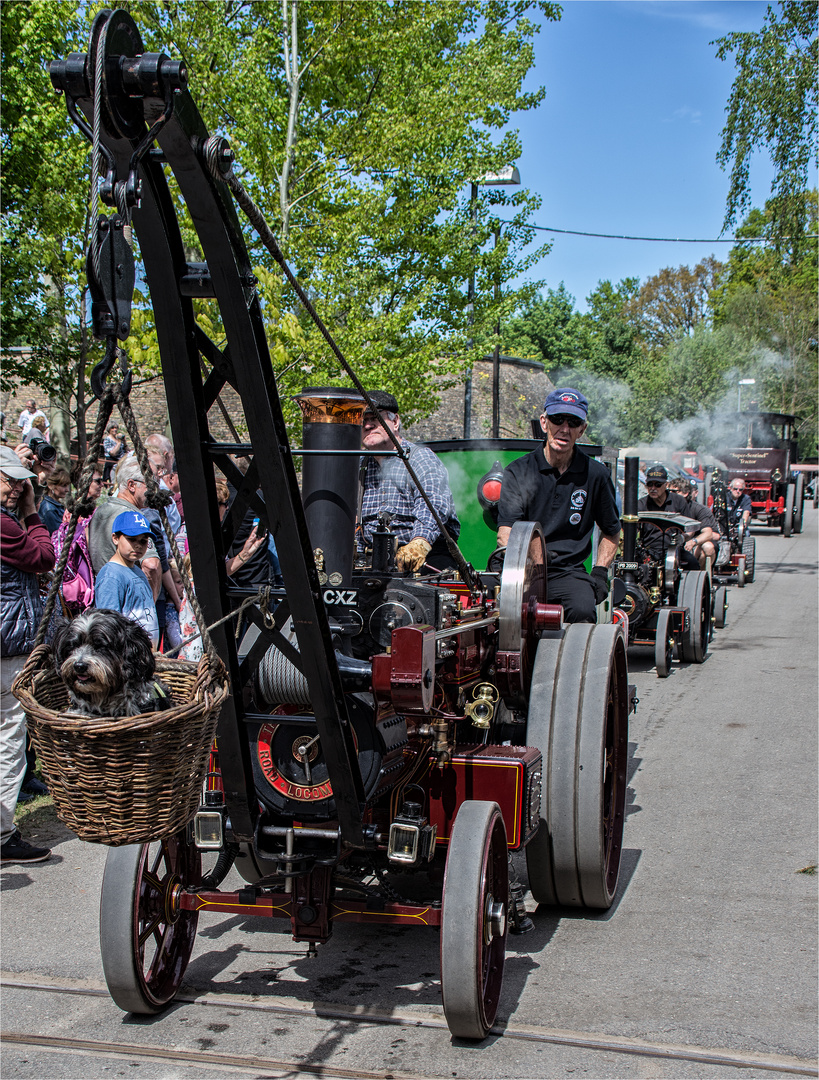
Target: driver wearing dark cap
<point>659,498</point>
<point>568,493</point>
<point>389,487</point>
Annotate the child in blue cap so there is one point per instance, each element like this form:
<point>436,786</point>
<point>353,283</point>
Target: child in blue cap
<point>121,585</point>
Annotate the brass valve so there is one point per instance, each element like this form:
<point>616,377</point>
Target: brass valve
<point>440,743</point>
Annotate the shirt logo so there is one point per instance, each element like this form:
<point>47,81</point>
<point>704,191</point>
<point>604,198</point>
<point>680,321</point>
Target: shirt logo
<point>575,519</point>
<point>578,499</point>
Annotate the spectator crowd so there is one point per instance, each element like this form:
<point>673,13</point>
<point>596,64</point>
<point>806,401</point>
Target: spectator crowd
<point>119,558</point>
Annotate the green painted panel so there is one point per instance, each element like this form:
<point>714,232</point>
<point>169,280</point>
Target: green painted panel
<point>466,461</point>
<point>465,467</point>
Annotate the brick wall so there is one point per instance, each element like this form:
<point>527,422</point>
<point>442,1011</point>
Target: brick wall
<point>522,393</point>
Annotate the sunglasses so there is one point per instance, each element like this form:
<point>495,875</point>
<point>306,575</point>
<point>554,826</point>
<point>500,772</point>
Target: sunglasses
<point>655,483</point>
<point>14,481</point>
<point>564,418</point>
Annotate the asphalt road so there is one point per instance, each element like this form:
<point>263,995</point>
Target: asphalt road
<point>705,966</point>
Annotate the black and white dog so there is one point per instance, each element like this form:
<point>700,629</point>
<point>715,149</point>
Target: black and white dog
<point>108,666</point>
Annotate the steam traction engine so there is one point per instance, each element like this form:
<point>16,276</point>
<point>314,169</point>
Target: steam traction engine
<point>736,559</point>
<point>764,455</point>
<point>379,723</point>
<point>665,605</point>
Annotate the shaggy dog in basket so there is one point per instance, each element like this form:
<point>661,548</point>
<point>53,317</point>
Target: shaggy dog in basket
<point>107,664</point>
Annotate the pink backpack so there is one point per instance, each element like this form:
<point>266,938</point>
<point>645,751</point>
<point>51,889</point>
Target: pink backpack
<point>78,577</point>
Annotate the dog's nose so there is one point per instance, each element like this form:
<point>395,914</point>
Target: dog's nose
<point>81,667</point>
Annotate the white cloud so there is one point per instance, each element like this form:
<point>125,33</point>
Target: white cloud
<point>686,114</point>
<point>717,17</point>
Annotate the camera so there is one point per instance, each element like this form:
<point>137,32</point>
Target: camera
<point>42,450</point>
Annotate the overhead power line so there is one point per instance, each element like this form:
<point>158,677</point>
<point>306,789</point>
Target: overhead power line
<point>664,239</point>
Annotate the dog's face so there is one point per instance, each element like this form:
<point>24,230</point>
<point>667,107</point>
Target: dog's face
<point>103,659</point>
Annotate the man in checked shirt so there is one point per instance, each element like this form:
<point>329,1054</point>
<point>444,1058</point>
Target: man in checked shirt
<point>388,487</point>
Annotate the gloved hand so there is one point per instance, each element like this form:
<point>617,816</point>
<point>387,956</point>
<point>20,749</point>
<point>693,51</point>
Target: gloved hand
<point>412,556</point>
<point>600,583</point>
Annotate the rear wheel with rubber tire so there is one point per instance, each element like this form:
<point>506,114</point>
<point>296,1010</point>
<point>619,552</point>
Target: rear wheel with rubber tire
<point>695,594</point>
<point>578,719</point>
<point>799,503</point>
<point>749,551</point>
<point>790,502</point>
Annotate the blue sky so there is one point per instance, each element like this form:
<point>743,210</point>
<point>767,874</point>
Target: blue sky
<point>626,139</point>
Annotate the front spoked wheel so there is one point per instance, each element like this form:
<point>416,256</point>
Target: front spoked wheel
<point>145,941</point>
<point>663,645</point>
<point>474,919</point>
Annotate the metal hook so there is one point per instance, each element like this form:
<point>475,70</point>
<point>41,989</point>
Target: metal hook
<point>103,370</point>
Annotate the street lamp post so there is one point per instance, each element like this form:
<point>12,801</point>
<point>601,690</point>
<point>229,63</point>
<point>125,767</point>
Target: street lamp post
<point>505,177</point>
<point>740,384</point>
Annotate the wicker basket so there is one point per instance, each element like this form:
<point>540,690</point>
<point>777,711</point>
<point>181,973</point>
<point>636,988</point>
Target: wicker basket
<point>125,780</point>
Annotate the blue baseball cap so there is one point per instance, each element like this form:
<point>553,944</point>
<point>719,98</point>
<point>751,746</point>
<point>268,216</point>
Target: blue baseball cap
<point>566,401</point>
<point>130,523</point>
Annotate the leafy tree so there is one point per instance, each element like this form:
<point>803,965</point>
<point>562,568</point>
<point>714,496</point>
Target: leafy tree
<point>612,333</point>
<point>673,302</point>
<point>357,129</point>
<point>769,296</point>
<point>44,201</point>
<point>548,329</point>
<point>773,105</point>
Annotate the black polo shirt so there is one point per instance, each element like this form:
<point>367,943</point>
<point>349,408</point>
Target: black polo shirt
<point>567,506</point>
<point>674,504</point>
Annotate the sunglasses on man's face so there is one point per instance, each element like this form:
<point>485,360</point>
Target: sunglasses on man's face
<point>564,418</point>
<point>655,483</point>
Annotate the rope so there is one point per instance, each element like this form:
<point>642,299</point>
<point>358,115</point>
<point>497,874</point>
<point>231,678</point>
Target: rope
<point>155,498</point>
<point>213,149</point>
<point>158,500</point>
<point>231,615</point>
<point>84,485</point>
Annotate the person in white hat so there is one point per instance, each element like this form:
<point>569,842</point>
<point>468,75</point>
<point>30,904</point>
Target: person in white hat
<point>26,551</point>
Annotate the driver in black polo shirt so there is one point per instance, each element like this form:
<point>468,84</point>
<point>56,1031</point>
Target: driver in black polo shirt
<point>670,502</point>
<point>568,493</point>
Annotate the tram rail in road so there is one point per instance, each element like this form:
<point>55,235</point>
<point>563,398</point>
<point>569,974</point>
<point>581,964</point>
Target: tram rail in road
<point>705,967</point>
<point>584,1040</point>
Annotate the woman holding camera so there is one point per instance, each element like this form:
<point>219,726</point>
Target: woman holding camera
<point>52,508</point>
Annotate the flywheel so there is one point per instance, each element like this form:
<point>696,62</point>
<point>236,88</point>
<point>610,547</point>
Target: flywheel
<point>522,588</point>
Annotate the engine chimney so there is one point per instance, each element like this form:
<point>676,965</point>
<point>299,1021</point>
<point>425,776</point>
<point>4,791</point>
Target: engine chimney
<point>331,424</point>
<point>630,518</point>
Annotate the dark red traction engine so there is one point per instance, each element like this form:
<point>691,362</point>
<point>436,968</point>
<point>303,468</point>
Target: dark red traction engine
<point>383,728</point>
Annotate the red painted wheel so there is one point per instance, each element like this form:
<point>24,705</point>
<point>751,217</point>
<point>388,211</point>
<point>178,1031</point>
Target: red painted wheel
<point>474,919</point>
<point>145,942</point>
